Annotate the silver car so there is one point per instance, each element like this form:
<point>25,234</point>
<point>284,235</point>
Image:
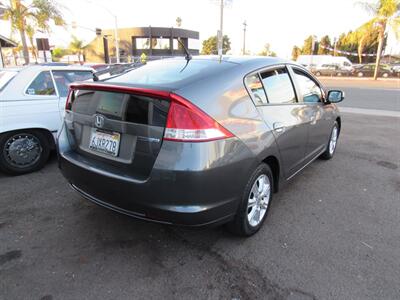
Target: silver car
<point>196,142</point>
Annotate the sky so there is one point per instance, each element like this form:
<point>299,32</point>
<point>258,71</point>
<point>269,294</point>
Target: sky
<point>282,23</point>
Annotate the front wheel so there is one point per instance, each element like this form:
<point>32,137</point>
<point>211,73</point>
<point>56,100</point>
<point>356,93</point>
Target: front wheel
<point>23,151</point>
<point>255,202</point>
<point>331,147</point>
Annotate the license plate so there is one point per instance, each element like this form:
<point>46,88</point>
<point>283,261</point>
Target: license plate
<point>103,142</point>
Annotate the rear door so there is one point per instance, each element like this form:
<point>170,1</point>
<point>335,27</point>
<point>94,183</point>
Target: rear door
<point>273,93</point>
<point>117,131</point>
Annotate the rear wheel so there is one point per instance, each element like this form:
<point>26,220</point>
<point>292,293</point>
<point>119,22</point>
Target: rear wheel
<point>23,151</point>
<point>255,202</point>
<point>331,147</point>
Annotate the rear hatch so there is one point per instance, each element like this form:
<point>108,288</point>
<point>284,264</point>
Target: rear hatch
<point>115,128</point>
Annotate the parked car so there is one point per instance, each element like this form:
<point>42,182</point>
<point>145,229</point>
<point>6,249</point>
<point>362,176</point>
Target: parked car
<point>197,142</point>
<point>369,70</point>
<point>32,101</point>
<point>330,70</point>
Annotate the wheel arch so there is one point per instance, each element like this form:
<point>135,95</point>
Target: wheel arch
<point>273,163</point>
<point>46,132</point>
<point>339,121</point>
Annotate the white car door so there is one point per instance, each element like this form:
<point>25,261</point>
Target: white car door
<point>38,104</point>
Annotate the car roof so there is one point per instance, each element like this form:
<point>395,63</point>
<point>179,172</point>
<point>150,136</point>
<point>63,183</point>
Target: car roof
<point>175,73</point>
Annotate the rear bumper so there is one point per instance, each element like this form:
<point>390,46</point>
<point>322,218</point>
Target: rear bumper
<point>190,184</point>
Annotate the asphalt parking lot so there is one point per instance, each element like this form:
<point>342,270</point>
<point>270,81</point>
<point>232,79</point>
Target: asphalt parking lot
<point>332,233</point>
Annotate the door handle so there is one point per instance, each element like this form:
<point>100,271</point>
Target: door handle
<point>279,127</point>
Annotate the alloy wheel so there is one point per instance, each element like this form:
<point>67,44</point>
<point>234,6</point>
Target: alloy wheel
<point>258,200</point>
<point>333,140</point>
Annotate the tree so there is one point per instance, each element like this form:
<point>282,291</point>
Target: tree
<point>178,22</point>
<point>58,52</point>
<point>76,47</point>
<point>385,13</point>
<point>36,14</point>
<point>30,32</point>
<point>267,51</point>
<point>323,46</point>
<point>308,45</point>
<point>210,45</point>
<point>296,51</point>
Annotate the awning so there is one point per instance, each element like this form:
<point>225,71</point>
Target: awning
<point>5,42</point>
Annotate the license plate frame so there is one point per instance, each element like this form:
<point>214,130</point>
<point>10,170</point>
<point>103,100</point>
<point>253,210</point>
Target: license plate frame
<point>105,142</point>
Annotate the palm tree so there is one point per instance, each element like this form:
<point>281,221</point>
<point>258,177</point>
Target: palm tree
<point>385,13</point>
<point>36,14</point>
<point>30,32</point>
<point>76,47</point>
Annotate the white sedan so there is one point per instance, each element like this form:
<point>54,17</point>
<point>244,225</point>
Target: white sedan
<point>32,102</point>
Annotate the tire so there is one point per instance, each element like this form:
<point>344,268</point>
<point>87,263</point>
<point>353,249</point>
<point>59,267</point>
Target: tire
<point>330,152</point>
<point>385,75</point>
<point>241,225</point>
<point>23,151</point>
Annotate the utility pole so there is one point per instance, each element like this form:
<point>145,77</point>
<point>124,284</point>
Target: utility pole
<point>116,38</point>
<point>334,46</point>
<point>220,33</point>
<point>244,37</point>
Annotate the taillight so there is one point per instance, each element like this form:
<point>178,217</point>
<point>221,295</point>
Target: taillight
<point>68,104</point>
<point>188,123</point>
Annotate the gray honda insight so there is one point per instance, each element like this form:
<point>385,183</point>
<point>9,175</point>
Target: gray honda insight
<point>197,141</point>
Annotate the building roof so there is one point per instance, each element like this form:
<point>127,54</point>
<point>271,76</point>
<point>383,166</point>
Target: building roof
<point>5,42</point>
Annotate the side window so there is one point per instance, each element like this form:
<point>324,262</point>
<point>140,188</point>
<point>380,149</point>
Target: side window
<point>42,85</point>
<point>254,84</point>
<point>309,88</point>
<point>64,78</point>
<point>278,86</point>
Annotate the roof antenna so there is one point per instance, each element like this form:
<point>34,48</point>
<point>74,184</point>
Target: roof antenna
<point>188,56</point>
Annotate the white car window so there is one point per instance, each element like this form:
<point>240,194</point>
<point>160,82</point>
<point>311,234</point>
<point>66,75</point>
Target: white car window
<point>64,78</point>
<point>5,77</point>
<point>42,85</point>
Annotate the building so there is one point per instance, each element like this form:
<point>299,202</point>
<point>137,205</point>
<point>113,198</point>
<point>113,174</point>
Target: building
<point>133,42</point>
<point>5,43</point>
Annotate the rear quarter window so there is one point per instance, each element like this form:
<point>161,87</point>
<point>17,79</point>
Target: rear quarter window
<point>42,85</point>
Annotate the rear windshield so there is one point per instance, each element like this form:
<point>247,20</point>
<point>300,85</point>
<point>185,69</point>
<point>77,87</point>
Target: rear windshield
<point>123,107</point>
<point>5,77</point>
<point>166,72</point>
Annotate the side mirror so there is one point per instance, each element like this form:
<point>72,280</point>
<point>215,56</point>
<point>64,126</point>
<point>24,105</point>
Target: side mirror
<point>335,96</point>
